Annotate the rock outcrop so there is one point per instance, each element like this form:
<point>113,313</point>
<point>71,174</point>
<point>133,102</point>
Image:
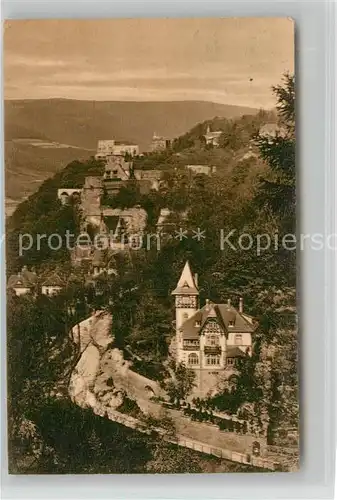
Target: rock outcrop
<point>102,377</point>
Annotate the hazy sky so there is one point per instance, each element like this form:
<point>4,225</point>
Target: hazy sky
<point>230,61</point>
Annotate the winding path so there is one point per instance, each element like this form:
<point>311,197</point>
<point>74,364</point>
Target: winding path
<point>88,388</point>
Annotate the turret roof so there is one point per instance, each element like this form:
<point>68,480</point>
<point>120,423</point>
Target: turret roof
<point>186,284</point>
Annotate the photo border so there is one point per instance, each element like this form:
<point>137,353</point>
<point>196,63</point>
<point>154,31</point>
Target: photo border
<point>315,81</point>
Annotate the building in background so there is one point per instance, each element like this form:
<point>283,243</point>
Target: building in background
<point>111,147</point>
<point>52,285</point>
<point>212,138</point>
<point>159,143</point>
<point>23,282</point>
<point>201,169</point>
<point>65,195</point>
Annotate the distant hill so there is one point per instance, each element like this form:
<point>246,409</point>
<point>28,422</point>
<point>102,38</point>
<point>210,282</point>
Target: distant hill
<point>76,126</point>
<point>82,123</point>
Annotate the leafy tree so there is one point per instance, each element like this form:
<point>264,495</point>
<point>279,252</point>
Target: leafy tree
<point>181,385</point>
<point>278,189</point>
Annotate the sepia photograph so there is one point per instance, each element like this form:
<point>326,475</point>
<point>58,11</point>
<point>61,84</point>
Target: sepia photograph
<point>150,204</point>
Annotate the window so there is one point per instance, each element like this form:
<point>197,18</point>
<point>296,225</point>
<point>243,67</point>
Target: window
<point>191,343</point>
<point>212,340</point>
<point>230,361</point>
<point>238,339</point>
<point>212,327</point>
<point>185,316</point>
<point>213,360</point>
<point>193,359</point>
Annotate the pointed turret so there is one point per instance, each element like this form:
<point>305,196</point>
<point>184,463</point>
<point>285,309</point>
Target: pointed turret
<point>186,284</point>
<point>186,298</point>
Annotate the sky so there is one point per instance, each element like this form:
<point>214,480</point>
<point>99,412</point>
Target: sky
<point>225,60</point>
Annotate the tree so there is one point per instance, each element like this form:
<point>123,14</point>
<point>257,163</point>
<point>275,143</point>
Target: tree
<point>170,459</point>
<point>278,189</point>
<point>181,384</point>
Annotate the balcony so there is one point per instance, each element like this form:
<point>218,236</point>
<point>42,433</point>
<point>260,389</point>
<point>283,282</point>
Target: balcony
<point>191,347</point>
<point>212,349</point>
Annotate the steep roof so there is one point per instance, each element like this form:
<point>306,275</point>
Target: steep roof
<point>53,280</point>
<point>224,313</point>
<point>23,279</point>
<point>235,352</point>
<point>186,284</point>
<point>111,222</point>
<point>18,281</point>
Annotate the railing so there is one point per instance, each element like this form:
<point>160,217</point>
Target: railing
<point>212,349</point>
<point>187,347</point>
<point>193,444</point>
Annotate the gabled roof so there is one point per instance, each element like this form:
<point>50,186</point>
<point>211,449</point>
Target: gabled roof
<point>18,281</point>
<point>53,280</point>
<point>24,279</point>
<point>223,313</point>
<point>235,352</point>
<point>186,284</point>
<point>111,222</point>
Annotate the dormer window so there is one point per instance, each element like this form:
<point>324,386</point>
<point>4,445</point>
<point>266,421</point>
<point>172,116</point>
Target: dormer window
<point>238,339</point>
<point>231,323</point>
<point>197,324</point>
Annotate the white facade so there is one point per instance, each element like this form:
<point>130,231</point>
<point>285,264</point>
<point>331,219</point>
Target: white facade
<point>208,339</point>
<point>213,138</point>
<point>50,290</point>
<point>21,290</point>
<point>109,147</point>
<point>64,194</point>
<point>105,148</point>
<point>122,149</point>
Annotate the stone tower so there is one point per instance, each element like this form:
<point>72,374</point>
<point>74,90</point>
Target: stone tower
<point>186,301</point>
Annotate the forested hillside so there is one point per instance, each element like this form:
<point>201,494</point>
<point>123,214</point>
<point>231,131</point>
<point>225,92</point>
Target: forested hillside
<point>252,193</point>
<point>41,136</point>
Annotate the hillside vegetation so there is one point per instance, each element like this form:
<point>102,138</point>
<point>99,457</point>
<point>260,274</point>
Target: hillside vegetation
<point>78,125</point>
<point>82,123</point>
<point>249,195</point>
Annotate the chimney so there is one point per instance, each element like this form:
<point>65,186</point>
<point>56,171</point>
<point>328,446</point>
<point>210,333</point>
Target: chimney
<point>207,304</point>
<point>228,303</point>
<point>196,279</point>
<point>241,305</point>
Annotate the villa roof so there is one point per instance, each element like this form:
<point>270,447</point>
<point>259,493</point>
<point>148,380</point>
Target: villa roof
<point>235,352</point>
<point>53,280</point>
<point>223,313</point>
<point>23,279</point>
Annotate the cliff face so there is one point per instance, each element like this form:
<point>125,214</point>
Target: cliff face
<point>102,378</point>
